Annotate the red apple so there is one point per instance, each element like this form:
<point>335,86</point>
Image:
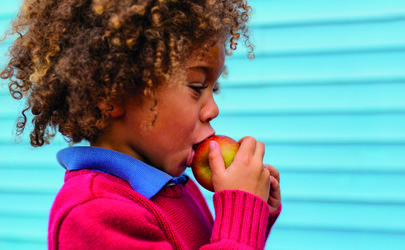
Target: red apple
<point>200,165</point>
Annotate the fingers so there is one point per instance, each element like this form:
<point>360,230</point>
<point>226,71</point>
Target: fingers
<point>248,144</point>
<point>275,189</point>
<point>215,158</point>
<point>255,148</point>
<point>260,149</point>
<point>273,172</point>
<point>274,200</point>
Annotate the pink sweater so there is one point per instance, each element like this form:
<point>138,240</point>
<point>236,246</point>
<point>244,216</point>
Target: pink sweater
<point>94,210</point>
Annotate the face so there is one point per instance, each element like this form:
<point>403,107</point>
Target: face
<point>183,120</point>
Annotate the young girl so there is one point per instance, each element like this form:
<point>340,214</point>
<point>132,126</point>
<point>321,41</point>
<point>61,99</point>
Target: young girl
<point>135,78</point>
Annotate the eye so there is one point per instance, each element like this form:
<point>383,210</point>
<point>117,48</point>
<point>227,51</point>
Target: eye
<point>197,87</point>
<point>216,88</point>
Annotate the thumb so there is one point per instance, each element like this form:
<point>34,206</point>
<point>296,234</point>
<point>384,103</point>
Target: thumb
<point>216,161</point>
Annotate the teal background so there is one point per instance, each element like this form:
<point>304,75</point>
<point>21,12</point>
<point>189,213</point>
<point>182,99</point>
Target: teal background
<point>326,95</point>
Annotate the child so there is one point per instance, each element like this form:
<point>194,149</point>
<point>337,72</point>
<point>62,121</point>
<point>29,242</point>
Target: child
<point>135,78</point>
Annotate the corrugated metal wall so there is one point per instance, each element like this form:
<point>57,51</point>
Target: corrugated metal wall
<point>324,94</point>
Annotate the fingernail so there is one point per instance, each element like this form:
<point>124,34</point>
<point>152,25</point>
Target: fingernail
<point>212,145</point>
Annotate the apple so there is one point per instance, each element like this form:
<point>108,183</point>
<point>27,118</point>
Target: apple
<point>200,164</point>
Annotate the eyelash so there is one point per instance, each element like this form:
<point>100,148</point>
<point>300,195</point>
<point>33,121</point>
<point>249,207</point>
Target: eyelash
<point>216,88</point>
<point>198,89</point>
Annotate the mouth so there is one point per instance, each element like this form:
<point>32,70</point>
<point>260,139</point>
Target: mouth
<point>198,143</point>
<point>190,157</point>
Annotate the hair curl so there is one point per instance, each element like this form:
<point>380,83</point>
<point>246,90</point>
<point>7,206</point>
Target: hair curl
<point>70,53</point>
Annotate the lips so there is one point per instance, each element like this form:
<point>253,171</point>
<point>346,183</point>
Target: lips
<point>197,144</point>
<point>190,158</point>
<point>191,155</point>
<point>206,138</point>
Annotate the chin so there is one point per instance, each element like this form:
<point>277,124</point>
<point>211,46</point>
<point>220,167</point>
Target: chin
<point>176,174</point>
<point>179,171</point>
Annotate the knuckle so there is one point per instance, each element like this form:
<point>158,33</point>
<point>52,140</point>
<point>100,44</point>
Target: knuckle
<point>274,171</point>
<point>211,157</point>
<point>266,177</point>
<point>277,174</point>
<point>267,173</point>
<point>249,140</point>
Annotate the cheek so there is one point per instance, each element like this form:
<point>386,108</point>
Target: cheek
<point>178,125</point>
<point>176,131</point>
<point>179,116</point>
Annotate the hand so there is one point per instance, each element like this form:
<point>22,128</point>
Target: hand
<point>246,172</point>
<point>274,200</point>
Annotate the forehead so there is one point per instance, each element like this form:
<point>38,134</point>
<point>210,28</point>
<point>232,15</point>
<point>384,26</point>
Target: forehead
<point>212,59</point>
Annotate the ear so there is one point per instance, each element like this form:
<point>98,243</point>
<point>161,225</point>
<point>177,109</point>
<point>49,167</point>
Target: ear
<point>111,109</point>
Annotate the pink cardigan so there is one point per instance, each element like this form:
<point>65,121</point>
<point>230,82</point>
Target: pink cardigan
<point>94,210</point>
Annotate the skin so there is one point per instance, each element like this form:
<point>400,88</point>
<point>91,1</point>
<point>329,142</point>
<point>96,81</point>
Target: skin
<point>184,115</point>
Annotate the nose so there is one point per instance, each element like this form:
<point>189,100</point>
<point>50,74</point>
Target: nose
<point>209,110</point>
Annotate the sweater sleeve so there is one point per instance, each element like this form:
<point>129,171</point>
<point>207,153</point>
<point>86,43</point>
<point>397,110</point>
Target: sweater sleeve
<point>272,219</point>
<point>104,223</point>
<point>241,221</point>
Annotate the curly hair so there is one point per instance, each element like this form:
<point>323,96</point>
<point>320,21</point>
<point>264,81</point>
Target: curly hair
<point>70,53</point>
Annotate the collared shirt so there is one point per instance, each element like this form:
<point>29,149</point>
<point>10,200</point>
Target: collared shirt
<point>143,178</point>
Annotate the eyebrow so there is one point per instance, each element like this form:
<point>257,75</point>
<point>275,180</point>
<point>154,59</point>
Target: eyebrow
<point>206,69</point>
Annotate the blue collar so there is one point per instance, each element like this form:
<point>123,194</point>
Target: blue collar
<point>143,178</point>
